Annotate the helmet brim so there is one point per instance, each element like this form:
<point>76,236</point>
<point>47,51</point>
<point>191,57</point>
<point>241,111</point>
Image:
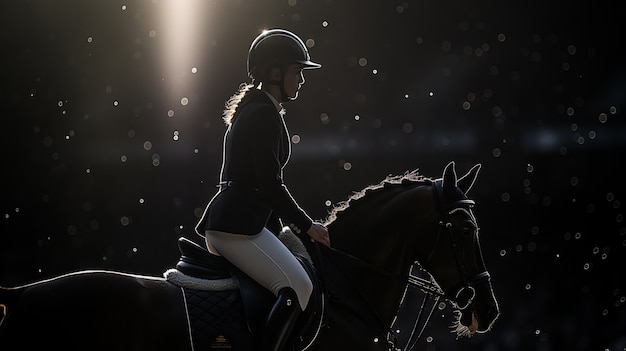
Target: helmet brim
<point>310,65</point>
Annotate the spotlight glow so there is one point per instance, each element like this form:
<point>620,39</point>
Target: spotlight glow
<point>182,33</point>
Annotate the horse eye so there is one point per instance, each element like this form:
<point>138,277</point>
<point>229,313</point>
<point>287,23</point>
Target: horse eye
<point>468,231</point>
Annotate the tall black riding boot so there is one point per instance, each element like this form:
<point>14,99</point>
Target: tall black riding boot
<point>281,320</point>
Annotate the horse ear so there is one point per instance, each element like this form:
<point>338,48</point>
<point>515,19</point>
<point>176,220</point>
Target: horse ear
<point>465,182</point>
<point>449,180</point>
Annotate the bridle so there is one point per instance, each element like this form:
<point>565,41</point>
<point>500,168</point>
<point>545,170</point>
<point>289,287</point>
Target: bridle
<point>462,293</point>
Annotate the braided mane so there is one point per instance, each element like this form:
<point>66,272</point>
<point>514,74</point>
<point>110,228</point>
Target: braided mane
<point>412,177</point>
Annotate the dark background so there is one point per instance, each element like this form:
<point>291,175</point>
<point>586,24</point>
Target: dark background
<point>104,165</point>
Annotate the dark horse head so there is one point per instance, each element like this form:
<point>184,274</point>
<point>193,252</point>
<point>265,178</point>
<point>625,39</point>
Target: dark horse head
<point>407,219</point>
<point>467,282</point>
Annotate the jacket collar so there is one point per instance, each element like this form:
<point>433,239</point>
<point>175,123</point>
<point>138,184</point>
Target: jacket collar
<point>274,101</point>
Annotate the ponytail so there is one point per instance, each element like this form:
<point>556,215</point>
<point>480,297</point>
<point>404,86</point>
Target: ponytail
<point>240,97</point>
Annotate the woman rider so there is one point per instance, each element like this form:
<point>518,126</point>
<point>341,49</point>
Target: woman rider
<point>242,219</point>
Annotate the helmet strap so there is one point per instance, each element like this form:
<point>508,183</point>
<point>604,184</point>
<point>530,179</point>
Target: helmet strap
<point>281,84</point>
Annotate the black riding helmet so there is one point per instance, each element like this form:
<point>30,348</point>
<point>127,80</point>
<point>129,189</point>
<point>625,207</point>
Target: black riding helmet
<point>277,48</point>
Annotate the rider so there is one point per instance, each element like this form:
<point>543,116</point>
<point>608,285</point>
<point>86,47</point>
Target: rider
<point>242,220</point>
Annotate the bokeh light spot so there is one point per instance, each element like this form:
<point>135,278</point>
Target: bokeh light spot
<point>124,220</point>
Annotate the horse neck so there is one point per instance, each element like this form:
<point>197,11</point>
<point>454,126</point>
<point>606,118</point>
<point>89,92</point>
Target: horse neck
<point>376,232</point>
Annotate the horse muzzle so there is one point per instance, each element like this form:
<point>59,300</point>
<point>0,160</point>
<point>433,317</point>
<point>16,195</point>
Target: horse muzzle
<point>485,307</point>
<point>476,302</point>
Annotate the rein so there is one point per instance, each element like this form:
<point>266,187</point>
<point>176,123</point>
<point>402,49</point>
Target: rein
<point>380,325</point>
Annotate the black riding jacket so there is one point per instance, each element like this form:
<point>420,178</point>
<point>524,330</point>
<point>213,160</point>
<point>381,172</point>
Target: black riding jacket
<point>252,196</point>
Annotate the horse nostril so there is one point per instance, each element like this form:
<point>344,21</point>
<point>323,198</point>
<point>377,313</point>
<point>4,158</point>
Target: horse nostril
<point>494,311</point>
<point>492,314</point>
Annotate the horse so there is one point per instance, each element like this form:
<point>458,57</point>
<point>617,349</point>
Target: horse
<point>378,235</point>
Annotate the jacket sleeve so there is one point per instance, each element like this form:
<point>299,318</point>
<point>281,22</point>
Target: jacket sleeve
<point>266,140</point>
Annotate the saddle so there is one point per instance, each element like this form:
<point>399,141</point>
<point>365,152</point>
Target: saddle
<point>197,262</point>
